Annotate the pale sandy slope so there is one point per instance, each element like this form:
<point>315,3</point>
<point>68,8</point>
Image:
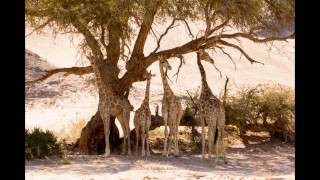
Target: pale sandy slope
<point>278,68</point>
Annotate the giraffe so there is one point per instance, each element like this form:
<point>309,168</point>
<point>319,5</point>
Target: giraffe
<point>111,104</point>
<point>171,110</point>
<point>142,119</point>
<point>211,111</point>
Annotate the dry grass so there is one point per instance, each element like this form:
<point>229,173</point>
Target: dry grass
<point>73,130</point>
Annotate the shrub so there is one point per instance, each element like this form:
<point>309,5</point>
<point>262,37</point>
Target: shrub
<point>262,108</point>
<point>41,144</point>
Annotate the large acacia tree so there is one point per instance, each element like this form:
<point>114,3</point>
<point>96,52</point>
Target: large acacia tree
<point>108,28</point>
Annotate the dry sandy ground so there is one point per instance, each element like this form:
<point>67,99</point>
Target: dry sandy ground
<point>269,161</point>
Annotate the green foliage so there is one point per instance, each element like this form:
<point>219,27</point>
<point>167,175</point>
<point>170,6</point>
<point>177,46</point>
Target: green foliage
<point>41,144</point>
<point>264,107</point>
<point>117,15</point>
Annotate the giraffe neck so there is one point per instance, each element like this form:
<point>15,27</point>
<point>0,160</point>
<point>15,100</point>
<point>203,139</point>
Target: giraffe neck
<point>202,72</point>
<point>146,97</point>
<point>166,87</point>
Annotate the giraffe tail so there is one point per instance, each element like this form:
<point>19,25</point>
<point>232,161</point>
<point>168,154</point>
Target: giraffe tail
<point>215,136</point>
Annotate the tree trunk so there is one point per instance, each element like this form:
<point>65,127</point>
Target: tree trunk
<point>92,140</point>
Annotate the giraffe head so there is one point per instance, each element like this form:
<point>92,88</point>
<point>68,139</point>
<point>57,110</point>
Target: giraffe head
<point>148,75</point>
<point>205,56</point>
<point>164,63</point>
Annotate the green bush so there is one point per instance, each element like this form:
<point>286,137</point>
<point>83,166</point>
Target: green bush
<point>41,144</point>
<point>262,108</point>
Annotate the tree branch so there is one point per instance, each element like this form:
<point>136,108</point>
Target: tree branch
<point>162,35</point>
<point>188,27</point>
<point>92,42</point>
<point>225,43</point>
<point>39,27</point>
<point>102,38</point>
<point>180,65</point>
<point>67,71</point>
<point>229,56</point>
<point>145,27</point>
<point>255,39</point>
<point>219,26</point>
<point>225,92</point>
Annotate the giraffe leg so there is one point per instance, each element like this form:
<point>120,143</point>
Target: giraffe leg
<point>210,143</point>
<point>124,144</point>
<point>106,122</point>
<point>147,134</point>
<point>137,139</point>
<point>216,147</point>
<point>143,139</point>
<point>203,137</point>
<point>124,121</point>
<point>165,119</point>
<point>176,149</point>
<point>223,147</point>
<point>170,139</point>
<point>147,141</point>
<point>177,133</point>
<point>128,136</point>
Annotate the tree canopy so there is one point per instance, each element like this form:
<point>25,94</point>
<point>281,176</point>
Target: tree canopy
<point>108,27</point>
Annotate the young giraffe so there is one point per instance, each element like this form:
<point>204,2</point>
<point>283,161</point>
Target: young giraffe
<point>111,104</point>
<point>142,119</point>
<point>171,110</point>
<point>211,110</point>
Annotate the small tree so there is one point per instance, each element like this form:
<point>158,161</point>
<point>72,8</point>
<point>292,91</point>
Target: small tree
<point>108,28</point>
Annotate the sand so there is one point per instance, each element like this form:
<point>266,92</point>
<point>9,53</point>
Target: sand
<point>255,162</point>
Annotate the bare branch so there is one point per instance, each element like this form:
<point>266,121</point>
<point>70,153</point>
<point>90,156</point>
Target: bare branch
<point>225,91</point>
<point>180,65</point>
<point>255,39</point>
<point>229,56</point>
<point>193,102</point>
<point>214,65</point>
<point>219,26</point>
<point>67,71</point>
<point>136,19</point>
<point>162,35</point>
<point>225,43</point>
<point>188,27</point>
<point>154,34</point>
<point>39,27</point>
